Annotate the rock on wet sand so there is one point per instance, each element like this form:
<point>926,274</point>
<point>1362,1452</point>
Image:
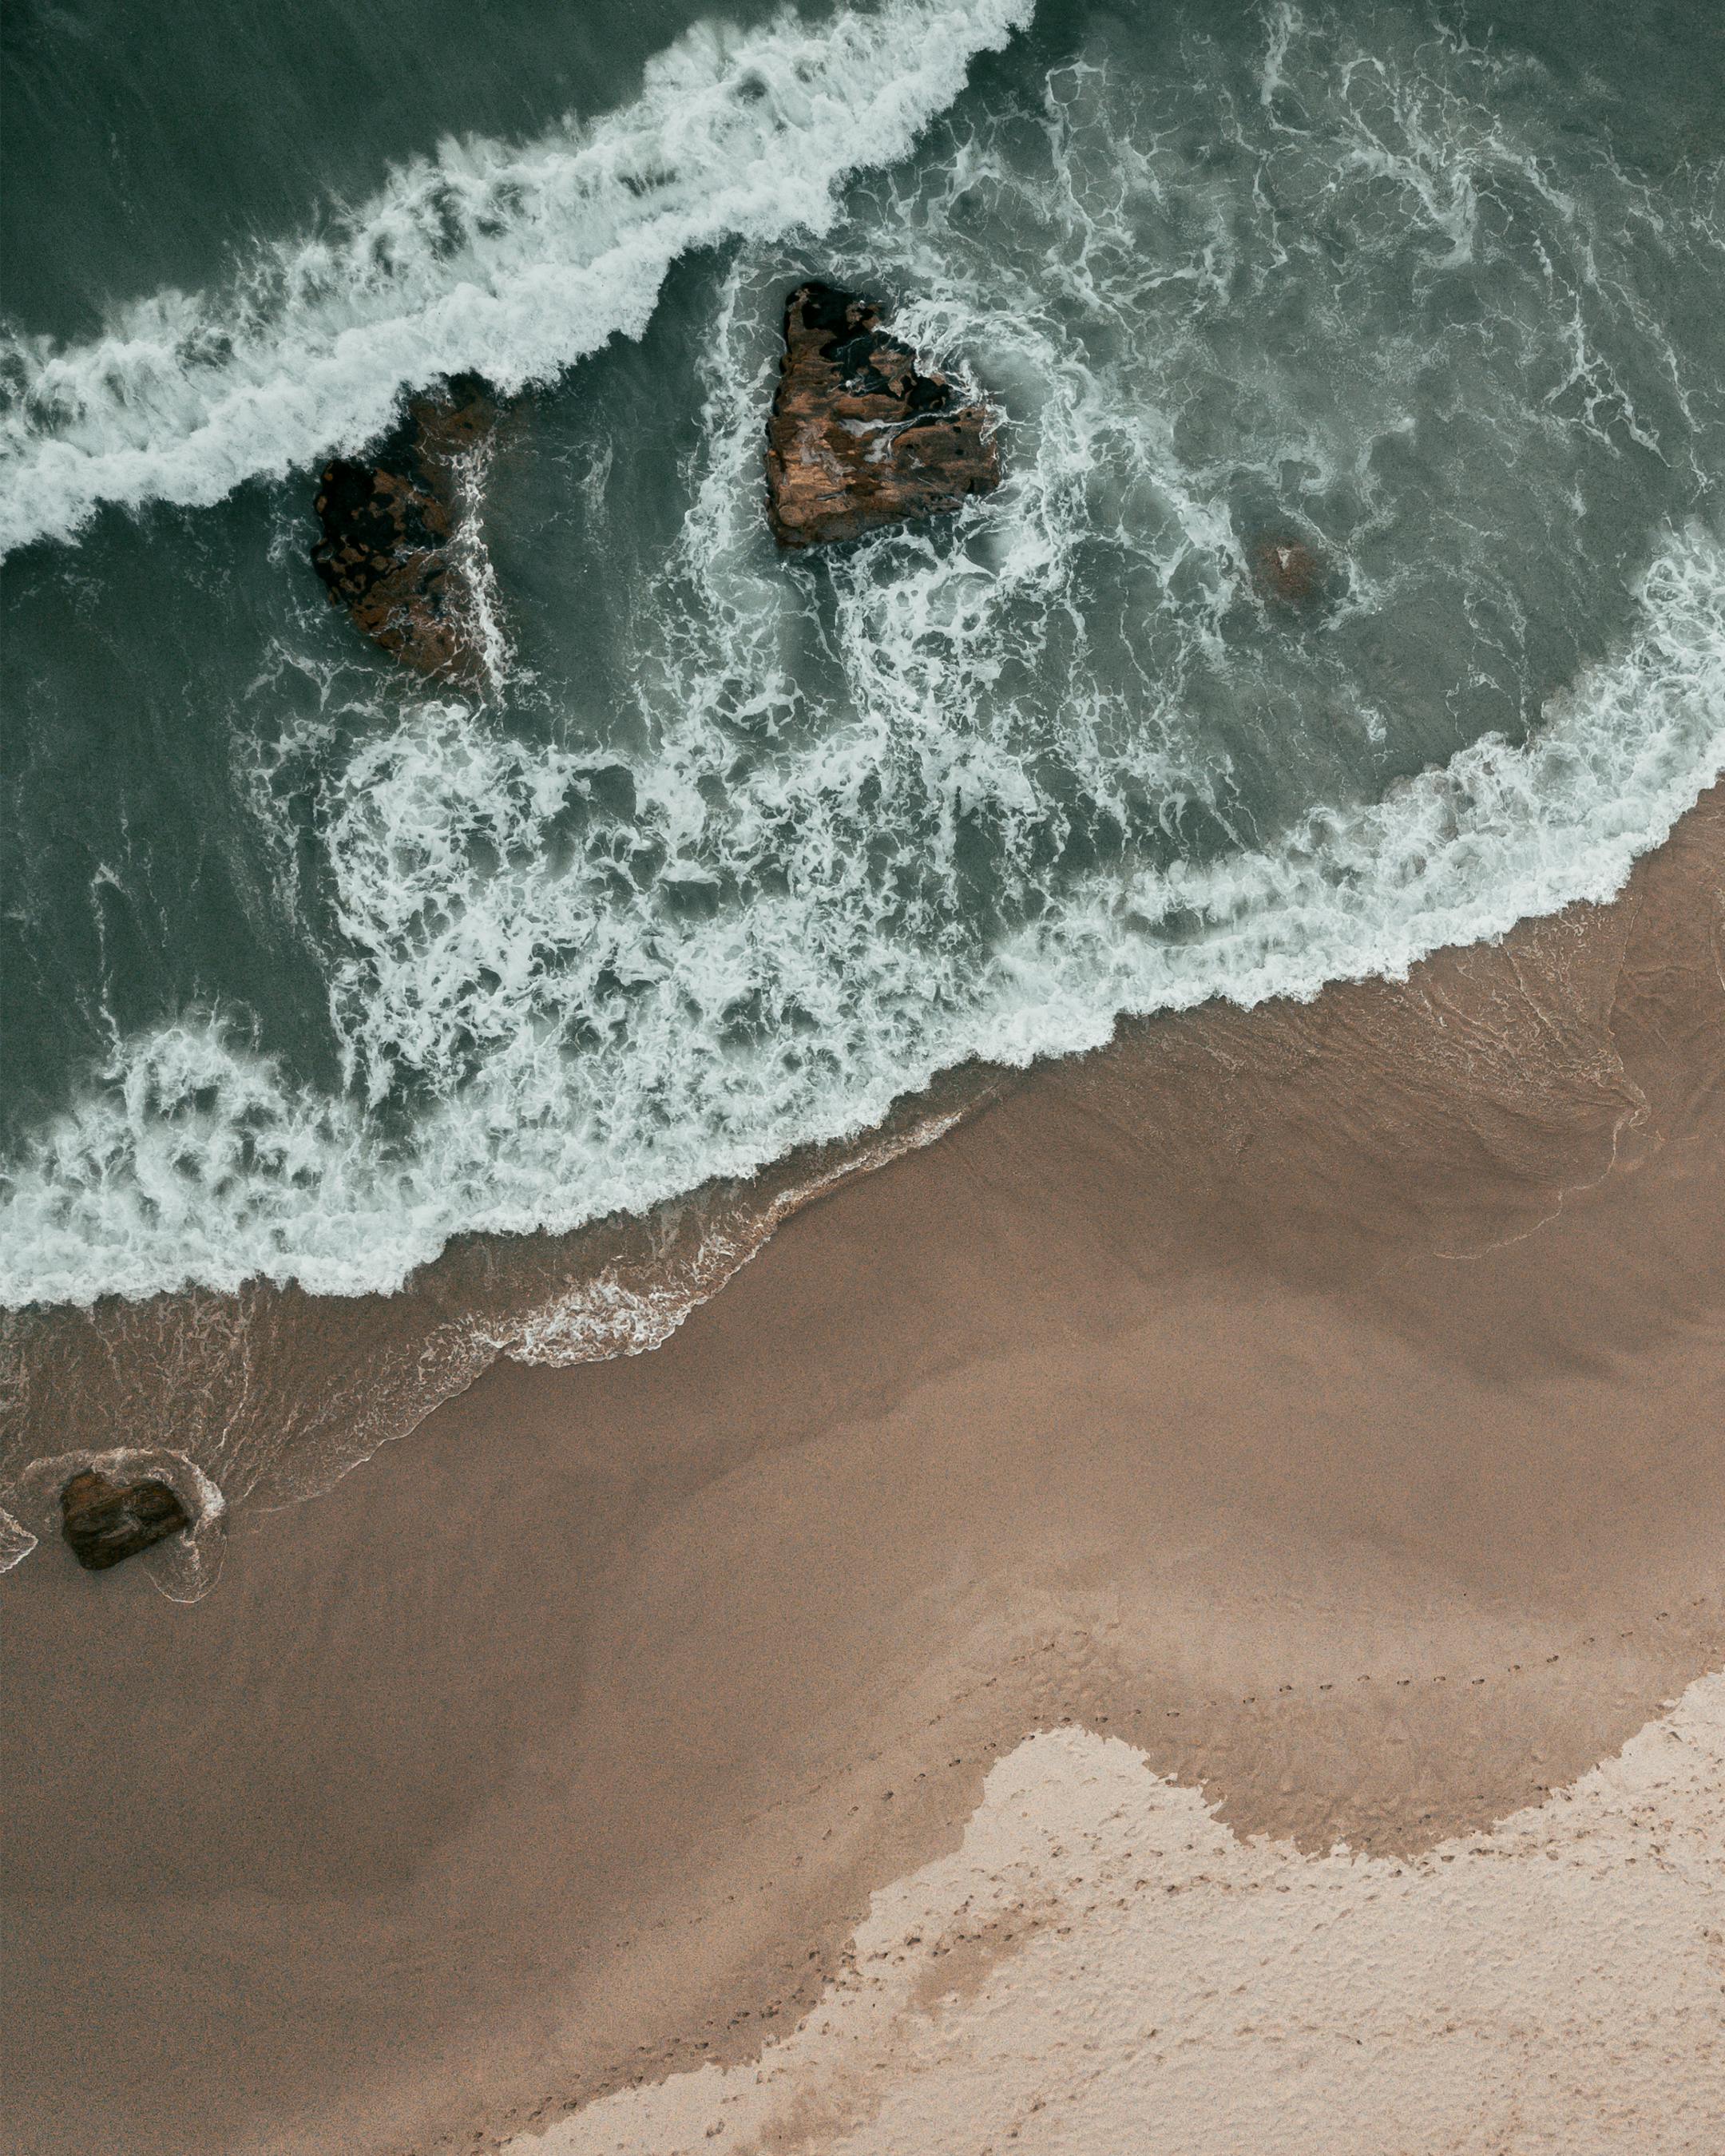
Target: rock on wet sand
<point>105,1522</point>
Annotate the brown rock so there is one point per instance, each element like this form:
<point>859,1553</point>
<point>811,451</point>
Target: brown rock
<point>104,1521</point>
<point>857,438</point>
<point>1290,574</point>
<point>386,553</point>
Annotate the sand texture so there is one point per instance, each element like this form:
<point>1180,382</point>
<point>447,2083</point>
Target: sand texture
<point>1326,1401</point>
<point>1101,1966</point>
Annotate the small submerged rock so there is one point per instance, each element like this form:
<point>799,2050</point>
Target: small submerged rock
<point>859,438</point>
<point>1291,575</point>
<point>105,1521</point>
<point>388,553</point>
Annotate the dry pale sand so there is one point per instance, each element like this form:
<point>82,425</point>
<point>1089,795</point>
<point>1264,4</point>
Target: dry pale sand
<point>1100,1966</point>
<point>1328,1402</point>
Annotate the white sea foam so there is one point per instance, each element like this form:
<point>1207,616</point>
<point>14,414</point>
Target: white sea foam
<point>509,260</point>
<point>551,1006</point>
<point>631,1310</point>
<point>194,1161</point>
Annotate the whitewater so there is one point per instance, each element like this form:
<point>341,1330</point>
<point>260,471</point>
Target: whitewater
<point>195,1164</point>
<point>513,261</point>
<point>800,837</point>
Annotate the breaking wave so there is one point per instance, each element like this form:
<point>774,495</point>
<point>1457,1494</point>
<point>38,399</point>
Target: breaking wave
<point>193,1161</point>
<point>970,795</point>
<point>510,261</point>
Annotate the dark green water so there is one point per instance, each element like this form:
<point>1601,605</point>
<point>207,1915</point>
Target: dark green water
<point>307,970</point>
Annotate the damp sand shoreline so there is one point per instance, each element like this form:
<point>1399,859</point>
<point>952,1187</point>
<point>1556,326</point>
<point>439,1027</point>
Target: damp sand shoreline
<point>1324,1399</point>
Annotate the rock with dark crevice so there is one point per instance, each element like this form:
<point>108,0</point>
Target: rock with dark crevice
<point>388,553</point>
<point>105,1522</point>
<point>859,436</point>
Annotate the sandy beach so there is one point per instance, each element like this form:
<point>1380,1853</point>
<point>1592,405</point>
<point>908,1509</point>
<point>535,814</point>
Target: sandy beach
<point>1308,1420</point>
<point>1101,1965</point>
<point>862,1162</point>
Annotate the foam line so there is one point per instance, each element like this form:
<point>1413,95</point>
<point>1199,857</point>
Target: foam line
<point>510,261</point>
<point>191,1159</point>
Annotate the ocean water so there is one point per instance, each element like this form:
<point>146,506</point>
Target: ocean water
<point>311,970</point>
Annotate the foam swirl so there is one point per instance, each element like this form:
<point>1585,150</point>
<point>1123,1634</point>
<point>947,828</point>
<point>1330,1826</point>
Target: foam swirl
<point>193,1160</point>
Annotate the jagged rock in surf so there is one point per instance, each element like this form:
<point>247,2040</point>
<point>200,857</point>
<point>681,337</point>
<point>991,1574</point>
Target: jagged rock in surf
<point>388,553</point>
<point>857,437</point>
<point>105,1522</point>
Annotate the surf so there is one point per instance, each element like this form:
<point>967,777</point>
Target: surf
<point>509,260</point>
<point>192,1160</point>
<point>965,796</point>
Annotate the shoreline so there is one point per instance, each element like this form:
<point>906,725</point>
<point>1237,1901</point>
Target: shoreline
<point>1098,1956</point>
<point>1326,1403</point>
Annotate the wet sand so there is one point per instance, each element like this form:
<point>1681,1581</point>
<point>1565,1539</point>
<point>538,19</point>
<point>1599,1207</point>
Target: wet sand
<point>1101,1966</point>
<point>1326,1400</point>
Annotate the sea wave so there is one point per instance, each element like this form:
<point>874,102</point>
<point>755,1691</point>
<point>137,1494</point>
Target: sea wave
<point>193,1160</point>
<point>513,261</point>
<point>835,827</point>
